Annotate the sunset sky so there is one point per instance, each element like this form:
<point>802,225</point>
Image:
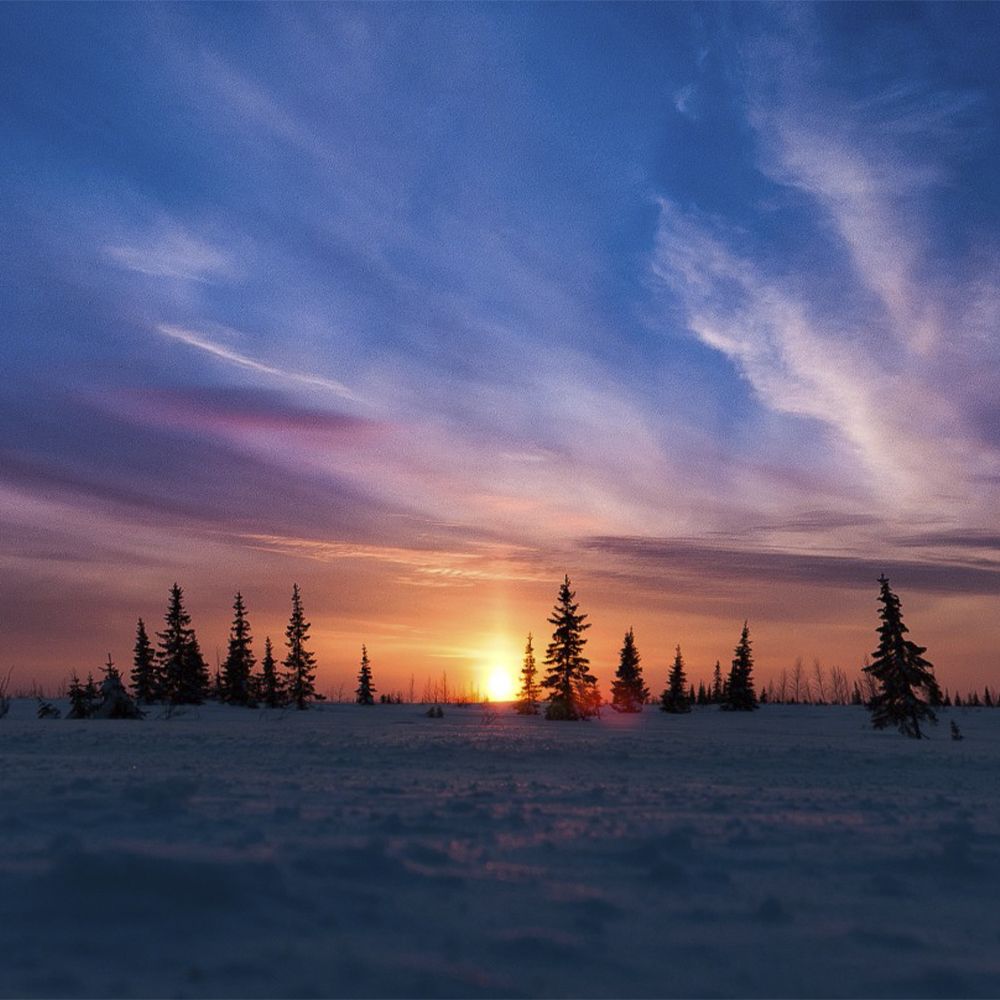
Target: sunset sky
<point>423,307</point>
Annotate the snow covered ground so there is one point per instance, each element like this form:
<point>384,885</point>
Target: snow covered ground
<point>376,852</point>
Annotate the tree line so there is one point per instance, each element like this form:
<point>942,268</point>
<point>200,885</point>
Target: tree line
<point>901,689</point>
<point>898,684</point>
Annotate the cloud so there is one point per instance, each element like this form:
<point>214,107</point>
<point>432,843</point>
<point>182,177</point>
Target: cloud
<point>726,566</point>
<point>175,254</point>
<point>685,101</point>
<point>202,342</point>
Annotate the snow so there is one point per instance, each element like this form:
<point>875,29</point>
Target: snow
<point>351,851</point>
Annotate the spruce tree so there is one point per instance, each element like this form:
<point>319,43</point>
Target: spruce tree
<point>674,698</point>
<point>143,676</point>
<point>81,701</point>
<point>628,690</point>
<point>196,682</point>
<point>739,694</point>
<point>570,683</point>
<point>366,691</point>
<point>299,664</point>
<point>270,684</point>
<point>530,693</point>
<point>717,684</point>
<point>172,654</point>
<point>906,684</point>
<point>237,670</point>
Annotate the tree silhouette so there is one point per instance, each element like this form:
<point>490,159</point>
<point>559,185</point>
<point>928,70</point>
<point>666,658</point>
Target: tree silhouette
<point>270,684</point>
<point>237,670</point>
<point>530,693</point>
<point>674,698</point>
<point>906,686</point>
<point>299,664</point>
<point>143,676</point>
<point>628,690</point>
<point>716,695</point>
<point>739,694</point>
<point>570,683</point>
<point>365,691</point>
<point>182,672</point>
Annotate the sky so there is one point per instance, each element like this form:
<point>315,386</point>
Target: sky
<point>424,306</point>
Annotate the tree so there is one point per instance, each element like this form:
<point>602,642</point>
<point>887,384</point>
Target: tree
<point>143,676</point>
<point>717,684</point>
<point>237,670</point>
<point>628,690</point>
<point>115,701</point>
<point>740,694</point>
<point>570,683</point>
<point>82,698</point>
<point>270,684</point>
<point>674,698</point>
<point>365,691</point>
<point>906,687</point>
<point>530,693</point>
<point>299,664</point>
<point>183,676</point>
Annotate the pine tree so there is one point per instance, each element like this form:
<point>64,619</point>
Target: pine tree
<point>143,676</point>
<point>196,682</point>
<point>570,683</point>
<point>717,684</point>
<point>628,690</point>
<point>299,664</point>
<point>81,700</point>
<point>740,695</point>
<point>702,698</point>
<point>181,667</point>
<point>115,701</point>
<point>674,698</point>
<point>237,669</point>
<point>365,691</point>
<point>270,684</point>
<point>530,694</point>
<point>906,684</point>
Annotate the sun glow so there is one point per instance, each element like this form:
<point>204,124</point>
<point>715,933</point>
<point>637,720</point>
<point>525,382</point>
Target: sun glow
<point>501,684</point>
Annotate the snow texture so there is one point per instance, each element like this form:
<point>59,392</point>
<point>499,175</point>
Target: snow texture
<point>351,851</point>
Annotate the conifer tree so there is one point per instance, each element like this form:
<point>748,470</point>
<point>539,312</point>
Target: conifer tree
<point>237,670</point>
<point>906,683</point>
<point>570,683</point>
<point>628,690</point>
<point>674,698</point>
<point>530,693</point>
<point>81,700</point>
<point>270,684</point>
<point>115,702</point>
<point>300,663</point>
<point>366,691</point>
<point>702,698</point>
<point>196,682</point>
<point>173,645</point>
<point>717,684</point>
<point>739,693</point>
<point>143,676</point>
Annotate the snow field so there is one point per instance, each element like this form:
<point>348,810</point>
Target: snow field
<point>351,851</point>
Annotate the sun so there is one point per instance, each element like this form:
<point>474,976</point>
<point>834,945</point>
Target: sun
<point>501,685</point>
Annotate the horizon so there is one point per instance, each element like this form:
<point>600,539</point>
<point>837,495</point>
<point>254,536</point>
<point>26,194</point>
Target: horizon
<point>423,307</point>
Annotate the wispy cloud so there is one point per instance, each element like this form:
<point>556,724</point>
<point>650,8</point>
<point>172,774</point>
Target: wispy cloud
<point>203,342</point>
<point>175,254</point>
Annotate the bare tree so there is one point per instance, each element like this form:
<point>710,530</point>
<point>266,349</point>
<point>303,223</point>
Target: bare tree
<point>800,685</point>
<point>819,675</point>
<point>840,688</point>
<point>4,697</point>
<point>782,692</point>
